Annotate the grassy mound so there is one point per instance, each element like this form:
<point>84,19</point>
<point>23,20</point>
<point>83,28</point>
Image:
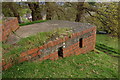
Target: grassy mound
<point>91,65</point>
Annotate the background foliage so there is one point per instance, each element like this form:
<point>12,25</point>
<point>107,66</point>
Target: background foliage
<point>103,15</point>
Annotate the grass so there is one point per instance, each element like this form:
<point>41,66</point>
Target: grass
<point>107,40</point>
<point>108,44</point>
<point>91,65</point>
<point>107,49</point>
<point>13,51</point>
<point>33,22</point>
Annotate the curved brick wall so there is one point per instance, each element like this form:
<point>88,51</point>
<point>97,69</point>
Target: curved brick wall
<point>8,26</point>
<point>50,50</point>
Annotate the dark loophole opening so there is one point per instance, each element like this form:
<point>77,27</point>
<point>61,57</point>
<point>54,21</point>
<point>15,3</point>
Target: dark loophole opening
<point>60,51</point>
<point>81,42</point>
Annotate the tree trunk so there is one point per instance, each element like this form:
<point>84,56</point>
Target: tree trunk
<point>49,10</point>
<point>79,11</point>
<point>48,16</point>
<point>35,8</point>
<point>18,16</point>
<point>15,11</point>
<point>33,16</point>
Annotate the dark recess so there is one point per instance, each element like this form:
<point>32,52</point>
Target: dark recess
<point>60,51</point>
<point>80,42</point>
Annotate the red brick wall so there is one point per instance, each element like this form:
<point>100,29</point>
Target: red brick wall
<point>8,27</point>
<point>72,49</point>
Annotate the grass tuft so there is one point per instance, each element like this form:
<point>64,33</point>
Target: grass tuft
<point>33,22</point>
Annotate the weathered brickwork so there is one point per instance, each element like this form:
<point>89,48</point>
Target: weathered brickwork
<point>8,26</point>
<point>80,42</point>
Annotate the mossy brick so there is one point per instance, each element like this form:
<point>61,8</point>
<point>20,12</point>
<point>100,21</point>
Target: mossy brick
<point>3,63</point>
<point>34,54</point>
<point>7,66</point>
<point>23,54</point>
<point>32,51</point>
<point>22,59</point>
<point>46,57</point>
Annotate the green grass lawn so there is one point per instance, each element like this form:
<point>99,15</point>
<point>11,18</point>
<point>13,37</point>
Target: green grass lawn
<point>107,40</point>
<point>91,65</point>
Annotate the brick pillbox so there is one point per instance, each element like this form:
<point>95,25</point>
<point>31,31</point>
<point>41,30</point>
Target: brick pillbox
<point>81,41</point>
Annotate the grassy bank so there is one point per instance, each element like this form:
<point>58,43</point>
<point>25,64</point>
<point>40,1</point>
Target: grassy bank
<point>108,50</point>
<point>107,40</point>
<point>91,65</point>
